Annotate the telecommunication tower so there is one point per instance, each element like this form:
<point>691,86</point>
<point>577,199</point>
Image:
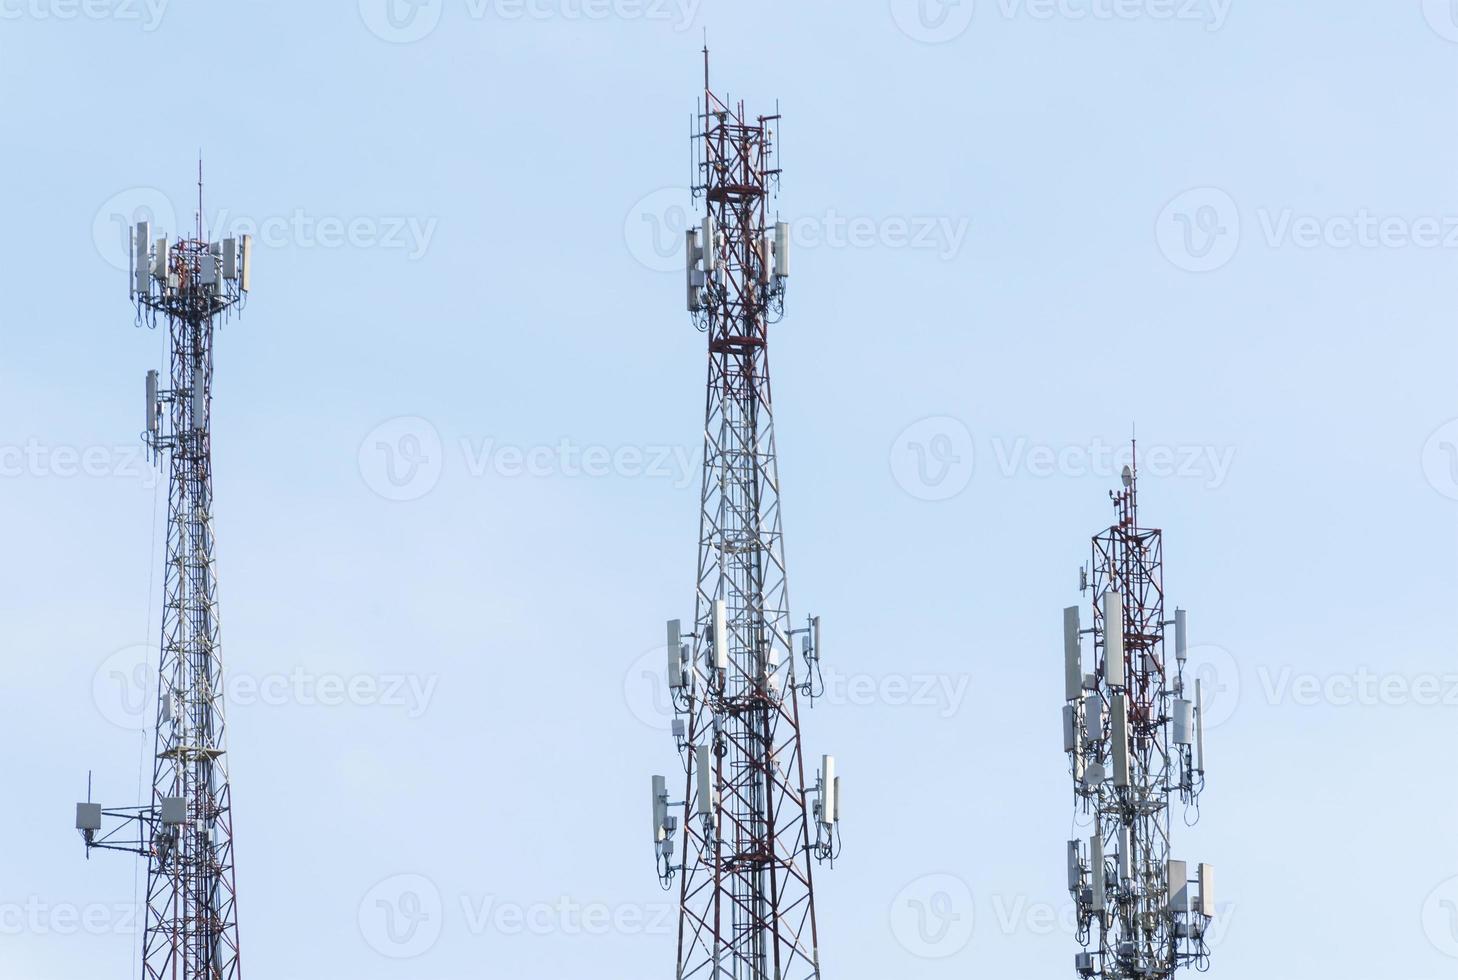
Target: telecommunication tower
<point>185,833</point>
<point>1135,740</point>
<point>750,824</point>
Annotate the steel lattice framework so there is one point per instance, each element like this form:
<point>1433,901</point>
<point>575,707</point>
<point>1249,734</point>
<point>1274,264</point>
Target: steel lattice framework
<point>746,892</point>
<point>186,833</point>
<point>1134,741</point>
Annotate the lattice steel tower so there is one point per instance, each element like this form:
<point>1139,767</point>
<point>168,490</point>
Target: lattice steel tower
<point>1135,742</point>
<point>186,833</point>
<point>750,829</point>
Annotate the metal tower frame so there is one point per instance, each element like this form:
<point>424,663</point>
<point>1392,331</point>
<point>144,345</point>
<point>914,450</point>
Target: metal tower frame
<point>1134,740</point>
<point>186,832</point>
<point>747,900</point>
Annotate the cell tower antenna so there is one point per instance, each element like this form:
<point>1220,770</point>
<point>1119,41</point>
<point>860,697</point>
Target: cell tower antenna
<point>1134,736</point>
<point>750,822</point>
<point>185,833</point>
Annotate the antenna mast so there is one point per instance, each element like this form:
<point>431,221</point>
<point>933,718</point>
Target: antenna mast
<point>751,824</point>
<point>186,832</point>
<point>1134,738</point>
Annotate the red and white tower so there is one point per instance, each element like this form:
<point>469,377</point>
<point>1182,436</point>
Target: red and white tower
<point>751,824</point>
<point>185,833</point>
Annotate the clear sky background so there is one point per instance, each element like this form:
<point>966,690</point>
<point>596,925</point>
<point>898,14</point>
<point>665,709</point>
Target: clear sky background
<point>456,433</point>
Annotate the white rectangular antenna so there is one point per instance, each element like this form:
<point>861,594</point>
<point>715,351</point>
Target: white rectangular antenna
<point>721,635</point>
<point>835,798</point>
<point>141,264</point>
<point>782,249</point>
<point>1072,656</point>
<point>1184,721</point>
<point>660,807</point>
<point>691,271</point>
<point>1096,863</point>
<point>245,262</point>
<point>1207,890</point>
<point>675,654</point>
<point>1113,639</point>
<point>815,632</point>
<point>1093,721</point>
<point>1075,866</point>
<point>152,419</point>
<point>1070,728</point>
<point>230,258</point>
<point>827,791</point>
<point>1179,887</point>
<point>1180,648</point>
<point>1119,725</point>
<point>706,780</point>
<point>162,260</point>
<point>1199,726</point>
<point>208,273</point>
<point>711,244</point>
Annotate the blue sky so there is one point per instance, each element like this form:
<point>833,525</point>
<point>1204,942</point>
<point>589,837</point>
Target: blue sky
<point>456,433</point>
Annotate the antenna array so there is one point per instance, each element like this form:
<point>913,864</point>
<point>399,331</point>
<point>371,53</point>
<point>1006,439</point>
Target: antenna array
<point>185,833</point>
<point>1135,740</point>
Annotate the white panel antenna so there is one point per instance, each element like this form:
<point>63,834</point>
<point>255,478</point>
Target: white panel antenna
<point>153,420</point>
<point>1119,732</point>
<point>1113,639</point>
<point>703,763</point>
<point>675,654</point>
<point>1199,726</point>
<point>660,808</point>
<point>1183,728</point>
<point>721,635</point>
<point>1207,890</point>
<point>782,249</point>
<point>1179,886</point>
<point>230,258</point>
<point>828,816</point>
<point>141,259</point>
<point>1072,656</point>
<point>245,262</point>
<point>710,244</point>
<point>1181,650</point>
